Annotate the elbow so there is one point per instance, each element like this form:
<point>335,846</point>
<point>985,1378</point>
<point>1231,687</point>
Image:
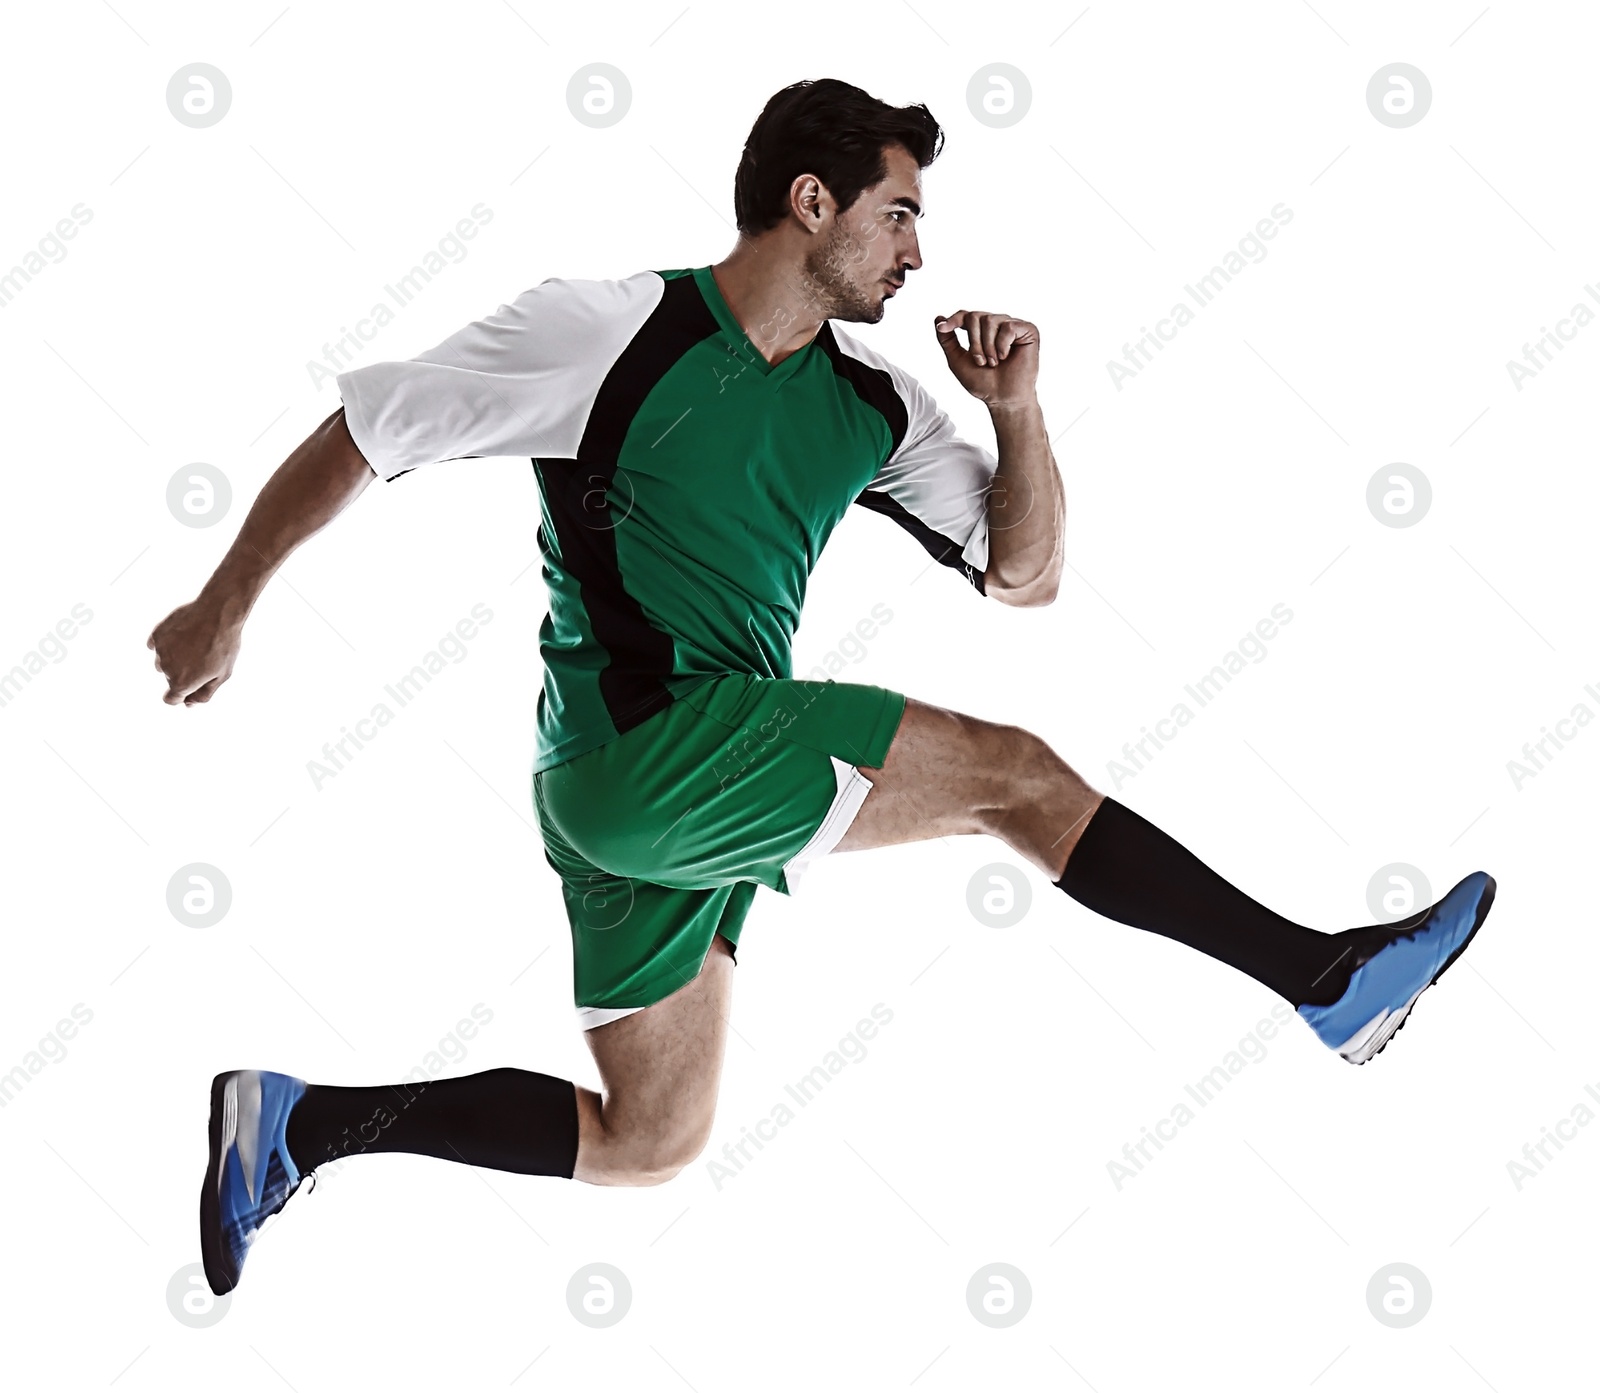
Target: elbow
<point>1013,581</point>
<point>1035,594</point>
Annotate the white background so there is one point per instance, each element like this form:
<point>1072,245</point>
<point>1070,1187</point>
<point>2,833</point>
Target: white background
<point>1229,476</point>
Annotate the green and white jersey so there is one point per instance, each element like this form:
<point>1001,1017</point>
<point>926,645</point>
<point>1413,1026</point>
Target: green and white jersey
<point>687,486</point>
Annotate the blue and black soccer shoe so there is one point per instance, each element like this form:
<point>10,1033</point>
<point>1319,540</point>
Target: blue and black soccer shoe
<point>250,1175</point>
<point>1385,987</point>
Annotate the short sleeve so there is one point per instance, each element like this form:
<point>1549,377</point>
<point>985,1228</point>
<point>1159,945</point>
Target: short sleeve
<point>934,484</point>
<point>519,382</point>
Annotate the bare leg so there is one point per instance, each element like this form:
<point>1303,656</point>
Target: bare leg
<point>660,1069</point>
<point>948,774</point>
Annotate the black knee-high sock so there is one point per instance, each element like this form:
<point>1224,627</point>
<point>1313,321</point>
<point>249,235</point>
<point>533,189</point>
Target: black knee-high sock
<point>508,1119</point>
<point>1129,870</point>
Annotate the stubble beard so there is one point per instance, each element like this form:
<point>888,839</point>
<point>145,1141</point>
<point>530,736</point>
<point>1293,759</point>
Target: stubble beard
<point>830,277</point>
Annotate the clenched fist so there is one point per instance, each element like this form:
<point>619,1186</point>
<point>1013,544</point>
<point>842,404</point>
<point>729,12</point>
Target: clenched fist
<point>195,648</point>
<point>1000,363</point>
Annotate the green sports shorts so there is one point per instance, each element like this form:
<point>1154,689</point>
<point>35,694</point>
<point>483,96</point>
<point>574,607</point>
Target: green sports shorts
<point>661,835</point>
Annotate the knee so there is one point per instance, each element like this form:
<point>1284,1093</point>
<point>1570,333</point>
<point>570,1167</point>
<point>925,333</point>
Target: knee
<point>656,1158</point>
<point>1031,755</point>
<point>660,1163</point>
<point>1026,770</point>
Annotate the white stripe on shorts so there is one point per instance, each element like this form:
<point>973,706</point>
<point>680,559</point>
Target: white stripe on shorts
<point>591,1016</point>
<point>853,788</point>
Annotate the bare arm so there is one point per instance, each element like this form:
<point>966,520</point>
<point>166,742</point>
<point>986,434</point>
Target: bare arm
<point>1027,502</point>
<point>1027,510</point>
<point>196,645</point>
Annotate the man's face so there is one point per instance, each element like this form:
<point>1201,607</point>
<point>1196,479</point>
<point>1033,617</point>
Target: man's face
<point>867,251</point>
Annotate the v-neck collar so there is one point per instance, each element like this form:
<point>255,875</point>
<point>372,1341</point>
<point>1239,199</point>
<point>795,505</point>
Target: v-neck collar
<point>742,344</point>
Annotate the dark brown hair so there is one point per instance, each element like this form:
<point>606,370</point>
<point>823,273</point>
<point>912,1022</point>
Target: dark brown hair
<point>833,130</point>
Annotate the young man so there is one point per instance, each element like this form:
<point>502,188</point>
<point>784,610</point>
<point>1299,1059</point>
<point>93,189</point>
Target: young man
<point>696,435</point>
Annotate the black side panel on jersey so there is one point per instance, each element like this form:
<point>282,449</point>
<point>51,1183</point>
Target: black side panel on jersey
<point>938,546</point>
<point>874,386</point>
<point>577,493</point>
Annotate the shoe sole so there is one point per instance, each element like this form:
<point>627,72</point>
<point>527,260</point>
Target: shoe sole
<point>1393,1024</point>
<point>213,1252</point>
